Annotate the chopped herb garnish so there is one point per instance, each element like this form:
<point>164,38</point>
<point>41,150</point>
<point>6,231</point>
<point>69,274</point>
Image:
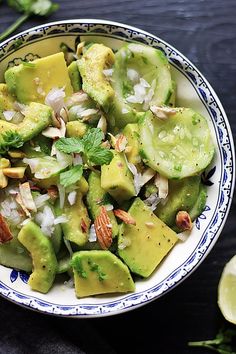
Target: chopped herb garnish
<point>89,145</point>
<point>71,176</point>
<point>9,140</point>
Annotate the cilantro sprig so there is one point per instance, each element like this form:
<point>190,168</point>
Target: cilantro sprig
<point>28,8</point>
<point>222,344</point>
<point>10,139</point>
<point>89,145</point>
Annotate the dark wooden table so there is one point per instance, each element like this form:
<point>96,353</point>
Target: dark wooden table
<point>205,31</point>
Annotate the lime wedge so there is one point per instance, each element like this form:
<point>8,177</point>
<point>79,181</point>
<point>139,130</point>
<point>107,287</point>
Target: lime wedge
<point>227,291</point>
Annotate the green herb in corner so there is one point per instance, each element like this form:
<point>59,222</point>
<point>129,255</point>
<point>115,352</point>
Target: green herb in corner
<point>28,8</point>
<point>89,145</point>
<point>221,344</point>
<point>9,140</point>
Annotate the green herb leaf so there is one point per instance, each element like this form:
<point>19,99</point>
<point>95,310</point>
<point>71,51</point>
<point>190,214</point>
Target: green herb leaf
<point>10,139</point>
<point>99,155</point>
<point>221,344</point>
<point>92,138</point>
<point>28,8</point>
<point>70,145</point>
<point>71,176</point>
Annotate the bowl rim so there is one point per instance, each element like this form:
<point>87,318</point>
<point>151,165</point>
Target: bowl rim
<point>142,302</point>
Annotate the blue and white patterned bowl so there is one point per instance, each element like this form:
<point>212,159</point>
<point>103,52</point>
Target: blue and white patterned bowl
<point>194,91</point>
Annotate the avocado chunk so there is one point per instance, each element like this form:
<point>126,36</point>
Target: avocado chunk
<point>117,180</point>
<point>37,118</point>
<point>6,100</point>
<point>43,257</point>
<point>31,82</point>
<point>144,245</point>
<point>76,129</point>
<point>76,229</point>
<point>96,197</point>
<point>141,78</point>
<point>74,75</point>
<point>131,132</point>
<point>96,59</point>
<point>200,203</point>
<point>14,255</point>
<point>100,272</point>
<point>182,195</point>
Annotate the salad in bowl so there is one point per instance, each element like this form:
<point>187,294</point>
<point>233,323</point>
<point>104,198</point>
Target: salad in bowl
<point>103,174</point>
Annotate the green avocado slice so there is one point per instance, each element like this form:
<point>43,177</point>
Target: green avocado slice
<point>100,272</point>
<point>43,257</point>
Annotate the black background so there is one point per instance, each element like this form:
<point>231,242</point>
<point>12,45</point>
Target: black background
<point>205,32</point>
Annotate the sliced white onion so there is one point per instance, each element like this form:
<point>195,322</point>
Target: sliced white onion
<point>161,183</point>
<point>152,201</point>
<point>55,99</point>
<point>62,219</point>
<point>8,115</point>
<point>133,75</point>
<point>102,124</point>
<point>72,197</point>
<point>40,200</point>
<point>92,237</point>
<point>108,72</point>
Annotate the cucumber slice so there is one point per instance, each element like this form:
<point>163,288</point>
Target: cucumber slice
<point>176,147</point>
<point>141,74</point>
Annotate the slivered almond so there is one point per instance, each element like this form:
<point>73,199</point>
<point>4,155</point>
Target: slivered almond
<point>103,229</point>
<point>20,202</point>
<point>26,196</point>
<point>120,143</point>
<point>5,232</point>
<point>84,226</point>
<point>183,221</point>
<point>124,216</point>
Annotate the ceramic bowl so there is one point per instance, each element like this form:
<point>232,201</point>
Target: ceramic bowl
<point>194,91</point>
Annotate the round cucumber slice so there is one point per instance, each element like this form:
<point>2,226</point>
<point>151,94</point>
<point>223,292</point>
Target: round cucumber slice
<point>141,78</point>
<point>176,147</point>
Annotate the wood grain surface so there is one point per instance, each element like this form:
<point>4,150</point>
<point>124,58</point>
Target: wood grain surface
<point>205,32</point>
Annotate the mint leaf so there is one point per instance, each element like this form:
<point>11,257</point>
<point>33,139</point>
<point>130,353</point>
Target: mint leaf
<point>99,155</point>
<point>92,138</point>
<point>71,176</point>
<point>69,145</point>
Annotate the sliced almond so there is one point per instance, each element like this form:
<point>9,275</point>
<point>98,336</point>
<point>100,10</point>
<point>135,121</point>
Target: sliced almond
<point>5,232</point>
<point>21,203</point>
<point>102,228</point>
<point>183,221</point>
<point>14,172</point>
<point>26,196</point>
<point>121,143</point>
<point>124,216</point>
<point>163,112</point>
<point>80,48</point>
